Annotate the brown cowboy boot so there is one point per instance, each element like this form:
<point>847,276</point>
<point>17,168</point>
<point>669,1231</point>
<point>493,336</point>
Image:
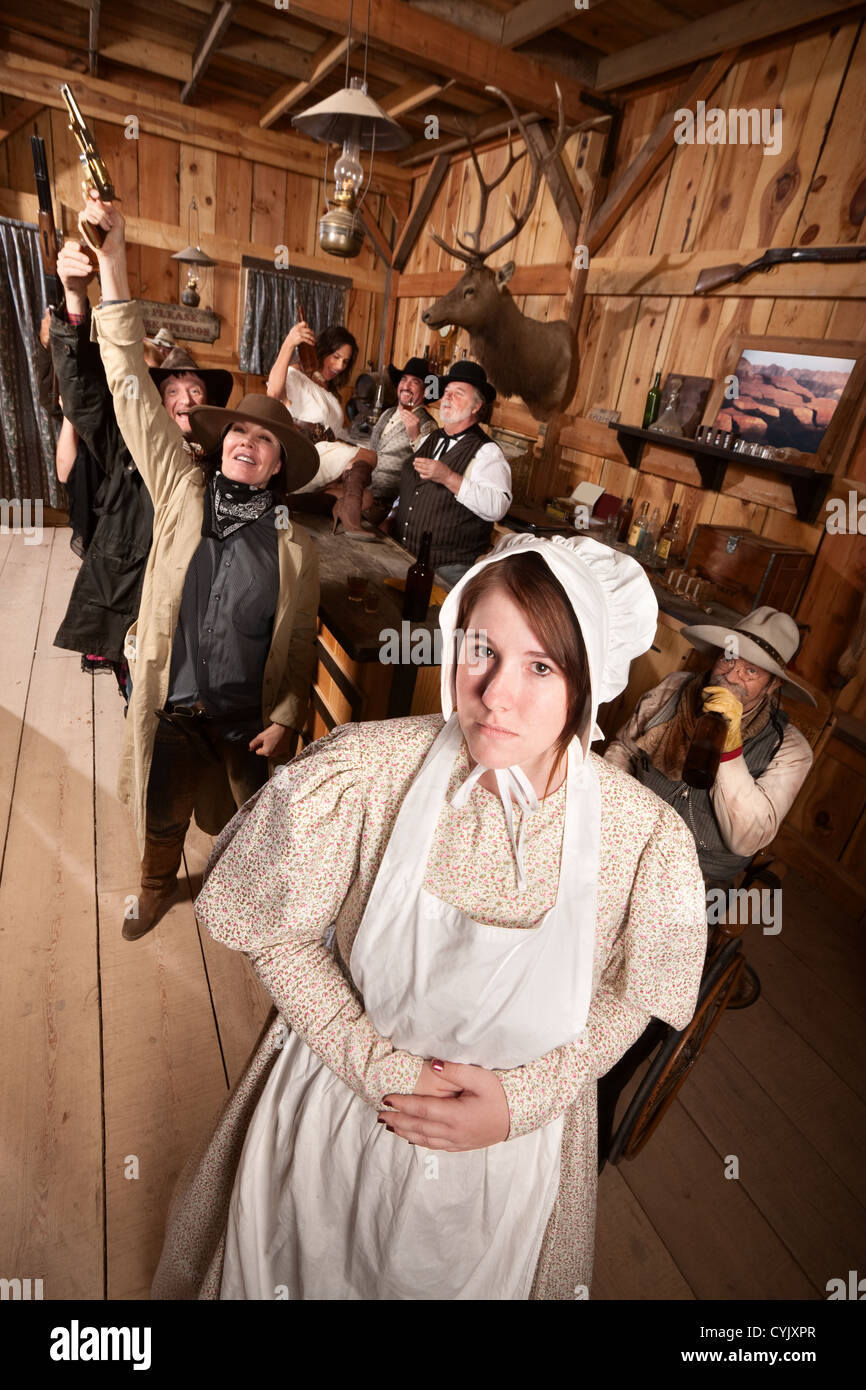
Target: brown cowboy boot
<point>347,508</point>
<point>159,866</point>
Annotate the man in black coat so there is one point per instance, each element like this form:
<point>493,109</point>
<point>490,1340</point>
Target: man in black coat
<point>107,590</point>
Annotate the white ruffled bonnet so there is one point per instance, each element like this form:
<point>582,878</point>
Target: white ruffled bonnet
<point>612,599</point>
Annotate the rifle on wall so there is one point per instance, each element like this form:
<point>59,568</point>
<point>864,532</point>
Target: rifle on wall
<point>96,176</point>
<point>49,243</point>
<point>720,275</point>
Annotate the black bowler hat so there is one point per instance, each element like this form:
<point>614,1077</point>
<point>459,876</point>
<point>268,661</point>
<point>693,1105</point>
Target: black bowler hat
<point>472,373</point>
<point>416,366</point>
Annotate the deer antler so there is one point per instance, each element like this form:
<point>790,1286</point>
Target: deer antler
<point>539,165</point>
<point>472,253</point>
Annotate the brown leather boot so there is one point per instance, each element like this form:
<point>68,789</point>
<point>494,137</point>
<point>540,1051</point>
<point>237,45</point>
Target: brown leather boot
<point>159,866</point>
<point>347,509</point>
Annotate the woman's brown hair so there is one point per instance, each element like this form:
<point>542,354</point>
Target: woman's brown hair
<point>546,607</point>
<point>331,339</point>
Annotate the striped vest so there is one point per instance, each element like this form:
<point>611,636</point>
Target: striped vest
<point>459,535</point>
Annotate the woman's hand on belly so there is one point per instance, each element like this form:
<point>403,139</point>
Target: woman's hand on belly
<point>434,1083</point>
<point>473,1119</point>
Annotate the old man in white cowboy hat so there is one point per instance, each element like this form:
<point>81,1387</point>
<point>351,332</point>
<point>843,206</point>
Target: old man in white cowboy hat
<point>765,758</point>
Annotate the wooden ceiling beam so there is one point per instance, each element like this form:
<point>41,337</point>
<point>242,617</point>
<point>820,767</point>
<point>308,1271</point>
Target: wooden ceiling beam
<point>165,236</point>
<point>444,49</point>
<point>324,60</point>
<point>657,147</point>
<point>159,115</point>
<point>93,37</point>
<point>562,191</point>
<point>491,126</point>
<point>475,18</point>
<point>208,44</point>
<point>411,95</point>
<point>534,17</point>
<point>745,23</point>
<point>380,242</point>
<point>17,117</point>
<point>420,212</point>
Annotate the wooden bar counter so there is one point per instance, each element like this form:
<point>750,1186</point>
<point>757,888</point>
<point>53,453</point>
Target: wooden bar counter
<point>356,676</point>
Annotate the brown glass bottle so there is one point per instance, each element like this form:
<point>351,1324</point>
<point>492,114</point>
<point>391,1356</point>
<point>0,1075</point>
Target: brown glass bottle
<point>705,751</point>
<point>419,583</point>
<point>307,355</point>
<point>669,533</point>
<point>624,519</point>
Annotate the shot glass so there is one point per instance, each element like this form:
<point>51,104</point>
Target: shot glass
<point>356,586</point>
<point>371,599</point>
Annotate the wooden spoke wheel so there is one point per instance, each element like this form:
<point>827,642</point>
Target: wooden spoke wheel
<point>677,1055</point>
<point>748,992</point>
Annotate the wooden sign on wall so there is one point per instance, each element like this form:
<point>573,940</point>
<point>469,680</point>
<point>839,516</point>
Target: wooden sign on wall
<point>191,325</point>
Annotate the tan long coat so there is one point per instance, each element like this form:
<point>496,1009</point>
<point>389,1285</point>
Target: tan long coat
<point>174,481</point>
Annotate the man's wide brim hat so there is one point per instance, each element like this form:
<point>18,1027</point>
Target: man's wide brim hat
<point>208,422</point>
<point>474,374</point>
<point>766,638</point>
<point>218,383</point>
<point>416,366</point>
<point>161,339</point>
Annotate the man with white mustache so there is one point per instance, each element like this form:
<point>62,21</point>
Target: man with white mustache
<point>765,759</point>
<point>458,482</point>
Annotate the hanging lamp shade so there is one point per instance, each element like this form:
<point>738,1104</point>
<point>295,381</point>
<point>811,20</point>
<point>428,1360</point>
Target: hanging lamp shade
<point>193,255</point>
<point>351,114</point>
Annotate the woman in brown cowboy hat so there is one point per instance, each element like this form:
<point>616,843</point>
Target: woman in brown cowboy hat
<point>222,653</point>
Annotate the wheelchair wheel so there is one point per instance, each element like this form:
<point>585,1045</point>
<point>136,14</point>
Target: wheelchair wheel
<point>677,1055</point>
<point>749,991</point>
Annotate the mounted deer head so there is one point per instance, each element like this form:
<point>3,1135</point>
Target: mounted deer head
<point>521,356</point>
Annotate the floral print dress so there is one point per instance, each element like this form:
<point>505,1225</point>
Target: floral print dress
<point>302,856</point>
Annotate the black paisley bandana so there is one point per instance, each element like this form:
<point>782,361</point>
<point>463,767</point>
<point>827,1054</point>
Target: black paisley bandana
<point>230,505</point>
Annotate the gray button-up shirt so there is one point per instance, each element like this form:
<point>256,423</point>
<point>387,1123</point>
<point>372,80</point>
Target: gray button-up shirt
<point>226,619</point>
<point>392,446</point>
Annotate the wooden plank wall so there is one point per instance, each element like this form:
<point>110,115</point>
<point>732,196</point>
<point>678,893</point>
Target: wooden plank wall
<point>256,206</point>
<point>702,199</point>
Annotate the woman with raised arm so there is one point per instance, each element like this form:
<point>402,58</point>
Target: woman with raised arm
<point>314,399</point>
<point>507,911</point>
<point>222,653</point>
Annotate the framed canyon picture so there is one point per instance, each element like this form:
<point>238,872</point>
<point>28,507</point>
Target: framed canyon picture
<point>801,395</point>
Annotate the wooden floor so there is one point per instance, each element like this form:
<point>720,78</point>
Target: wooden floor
<point>116,1055</point>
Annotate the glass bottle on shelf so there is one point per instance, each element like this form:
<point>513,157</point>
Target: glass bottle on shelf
<point>419,583</point>
<point>653,397</point>
<point>669,420</point>
<point>637,534</point>
<point>668,535</point>
<point>624,519</point>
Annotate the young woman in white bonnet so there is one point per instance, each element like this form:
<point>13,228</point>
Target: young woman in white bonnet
<point>419,1118</point>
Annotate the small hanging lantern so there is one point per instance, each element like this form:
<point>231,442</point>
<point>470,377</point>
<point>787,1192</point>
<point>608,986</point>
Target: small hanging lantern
<point>191,256</point>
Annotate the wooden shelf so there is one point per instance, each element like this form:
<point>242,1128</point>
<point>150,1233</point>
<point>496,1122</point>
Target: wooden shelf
<point>808,486</point>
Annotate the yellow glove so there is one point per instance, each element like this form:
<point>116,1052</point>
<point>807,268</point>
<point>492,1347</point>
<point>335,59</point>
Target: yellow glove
<point>719,700</point>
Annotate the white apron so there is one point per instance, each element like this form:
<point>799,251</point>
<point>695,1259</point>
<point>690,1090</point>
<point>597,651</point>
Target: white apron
<point>327,1204</point>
